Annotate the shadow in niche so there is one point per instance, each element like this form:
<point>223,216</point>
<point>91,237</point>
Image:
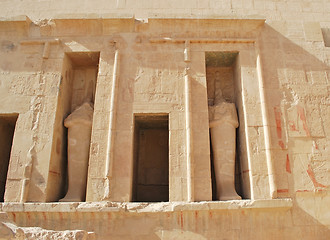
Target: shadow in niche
<point>213,180</point>
<point>238,174</point>
<point>151,166</point>
<point>7,129</point>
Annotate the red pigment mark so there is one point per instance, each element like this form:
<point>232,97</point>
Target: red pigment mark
<point>318,190</point>
<point>181,218</point>
<point>304,191</point>
<point>292,126</point>
<point>312,177</point>
<point>301,114</point>
<point>288,166</point>
<point>56,173</point>
<point>316,146</point>
<point>282,190</point>
<point>178,220</point>
<point>278,122</point>
<point>210,214</point>
<point>14,217</point>
<point>28,216</point>
<point>61,215</point>
<point>196,215</point>
<point>281,143</point>
<point>168,215</point>
<point>246,171</point>
<point>44,216</point>
<point>278,116</point>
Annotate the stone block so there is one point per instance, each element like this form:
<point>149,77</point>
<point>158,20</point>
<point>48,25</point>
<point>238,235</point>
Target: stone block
<point>313,31</point>
<point>314,121</point>
<point>260,186</point>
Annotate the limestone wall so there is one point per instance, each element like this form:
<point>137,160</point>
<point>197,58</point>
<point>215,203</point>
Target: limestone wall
<point>295,10</point>
<point>144,51</point>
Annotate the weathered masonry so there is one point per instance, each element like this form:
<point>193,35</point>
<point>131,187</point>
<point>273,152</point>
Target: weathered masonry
<point>114,126</point>
<point>140,82</point>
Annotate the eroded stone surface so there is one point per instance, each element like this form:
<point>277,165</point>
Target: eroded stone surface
<point>279,83</point>
<point>10,231</point>
<point>223,136</point>
<point>79,124</point>
<point>223,122</point>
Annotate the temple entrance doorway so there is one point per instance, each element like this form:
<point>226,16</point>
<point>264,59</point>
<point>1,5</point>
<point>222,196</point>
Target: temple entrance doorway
<point>7,129</point>
<point>151,160</point>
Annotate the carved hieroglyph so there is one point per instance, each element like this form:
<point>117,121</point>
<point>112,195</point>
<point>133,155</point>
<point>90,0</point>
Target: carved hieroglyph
<point>223,124</point>
<point>79,124</point>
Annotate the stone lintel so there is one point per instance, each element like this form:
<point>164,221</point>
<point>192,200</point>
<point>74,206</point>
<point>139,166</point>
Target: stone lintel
<point>143,207</point>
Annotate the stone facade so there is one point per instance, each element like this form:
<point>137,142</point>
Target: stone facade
<point>152,70</point>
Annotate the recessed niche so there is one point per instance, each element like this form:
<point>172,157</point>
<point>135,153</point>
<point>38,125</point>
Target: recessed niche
<point>151,159</point>
<point>223,77</point>
<point>78,84</point>
<point>326,36</point>
<point>7,129</point>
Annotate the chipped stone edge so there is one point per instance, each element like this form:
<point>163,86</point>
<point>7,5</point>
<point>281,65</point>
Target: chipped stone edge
<point>138,207</point>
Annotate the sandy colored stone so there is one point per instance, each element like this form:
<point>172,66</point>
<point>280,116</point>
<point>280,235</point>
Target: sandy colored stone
<point>79,124</point>
<point>57,55</point>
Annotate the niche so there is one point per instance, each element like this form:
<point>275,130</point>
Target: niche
<point>151,159</point>
<point>7,129</point>
<point>78,83</point>
<point>223,76</point>
<point>326,36</point>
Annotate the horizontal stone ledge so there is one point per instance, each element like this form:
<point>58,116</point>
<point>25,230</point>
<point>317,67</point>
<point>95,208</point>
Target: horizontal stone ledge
<point>258,19</point>
<point>201,40</point>
<point>93,16</point>
<point>160,15</point>
<point>143,207</point>
<point>19,18</point>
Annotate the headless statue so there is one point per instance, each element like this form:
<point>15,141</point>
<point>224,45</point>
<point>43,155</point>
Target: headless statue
<point>223,124</point>
<point>79,124</point>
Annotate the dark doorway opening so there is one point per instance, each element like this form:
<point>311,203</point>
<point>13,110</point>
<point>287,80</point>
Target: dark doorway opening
<point>7,129</point>
<point>151,159</point>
